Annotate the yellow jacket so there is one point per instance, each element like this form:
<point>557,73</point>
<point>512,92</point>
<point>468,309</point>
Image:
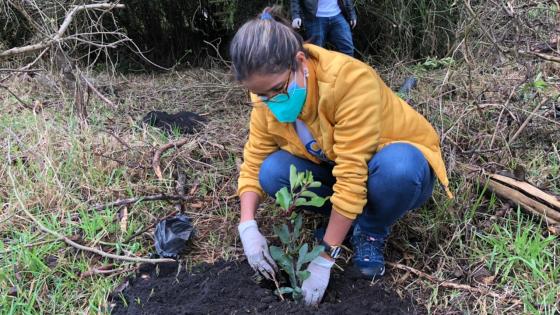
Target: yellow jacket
<point>352,114</point>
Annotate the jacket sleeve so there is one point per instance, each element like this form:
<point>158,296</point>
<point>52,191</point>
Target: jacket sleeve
<point>350,9</point>
<point>295,7</point>
<point>258,147</point>
<point>359,98</point>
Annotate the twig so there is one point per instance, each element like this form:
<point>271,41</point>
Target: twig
<point>453,285</point>
<point>500,117</point>
<point>76,245</point>
<point>96,91</point>
<point>94,250</point>
<point>21,70</point>
<point>157,155</point>
<point>278,288</point>
<point>17,98</point>
<point>527,120</point>
<point>63,27</point>
<point>127,201</point>
<point>541,55</point>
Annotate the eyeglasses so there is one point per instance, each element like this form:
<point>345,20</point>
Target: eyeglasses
<point>282,93</point>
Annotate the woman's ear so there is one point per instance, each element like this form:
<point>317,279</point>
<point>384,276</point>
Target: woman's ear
<point>300,57</point>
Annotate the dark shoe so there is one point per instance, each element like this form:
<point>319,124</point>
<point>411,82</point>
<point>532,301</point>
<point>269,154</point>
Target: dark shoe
<point>368,253</point>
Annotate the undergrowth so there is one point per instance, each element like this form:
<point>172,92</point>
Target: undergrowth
<point>477,97</point>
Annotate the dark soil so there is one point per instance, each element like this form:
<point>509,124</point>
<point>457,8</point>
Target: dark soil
<point>230,288</point>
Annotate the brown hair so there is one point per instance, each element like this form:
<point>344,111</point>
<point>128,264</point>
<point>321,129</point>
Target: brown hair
<point>265,44</point>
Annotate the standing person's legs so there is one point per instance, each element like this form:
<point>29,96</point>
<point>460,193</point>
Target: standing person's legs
<point>315,30</point>
<point>339,34</point>
<point>400,179</point>
<point>275,174</point>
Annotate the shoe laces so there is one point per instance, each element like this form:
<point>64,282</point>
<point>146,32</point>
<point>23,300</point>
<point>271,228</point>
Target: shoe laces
<point>370,247</point>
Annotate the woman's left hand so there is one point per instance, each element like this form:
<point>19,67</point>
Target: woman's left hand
<point>314,287</point>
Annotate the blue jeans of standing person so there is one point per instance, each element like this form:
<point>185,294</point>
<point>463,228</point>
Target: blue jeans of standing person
<point>400,179</point>
<point>334,29</point>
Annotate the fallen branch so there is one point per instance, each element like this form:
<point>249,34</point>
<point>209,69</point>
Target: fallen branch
<point>127,201</point>
<point>99,94</point>
<point>86,248</point>
<point>95,250</point>
<point>526,196</point>
<point>541,55</point>
<point>102,270</point>
<point>157,155</point>
<point>63,27</point>
<point>527,120</point>
<point>17,98</point>
<point>453,285</point>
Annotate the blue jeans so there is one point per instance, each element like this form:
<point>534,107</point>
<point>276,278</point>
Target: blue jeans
<point>400,179</point>
<point>335,29</point>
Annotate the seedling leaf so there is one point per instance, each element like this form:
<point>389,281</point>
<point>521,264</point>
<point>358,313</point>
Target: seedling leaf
<point>302,252</point>
<point>284,290</point>
<point>303,275</point>
<point>315,185</point>
<point>281,258</point>
<point>315,202</point>
<point>293,177</point>
<point>297,226</point>
<point>308,193</point>
<point>301,202</point>
<point>283,198</point>
<point>283,233</point>
<point>313,254</point>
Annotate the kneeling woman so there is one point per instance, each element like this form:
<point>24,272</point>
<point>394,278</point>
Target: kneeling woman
<point>330,114</point>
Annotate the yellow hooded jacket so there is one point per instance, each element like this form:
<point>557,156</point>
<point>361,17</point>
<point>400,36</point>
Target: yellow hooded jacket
<point>352,114</point>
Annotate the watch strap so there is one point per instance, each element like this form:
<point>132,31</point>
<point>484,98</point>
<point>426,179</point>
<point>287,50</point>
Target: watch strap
<point>333,251</point>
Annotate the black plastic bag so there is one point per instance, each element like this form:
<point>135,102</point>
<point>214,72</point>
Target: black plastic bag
<point>183,122</point>
<point>172,235</point>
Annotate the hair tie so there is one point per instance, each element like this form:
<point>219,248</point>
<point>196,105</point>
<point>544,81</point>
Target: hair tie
<point>266,15</point>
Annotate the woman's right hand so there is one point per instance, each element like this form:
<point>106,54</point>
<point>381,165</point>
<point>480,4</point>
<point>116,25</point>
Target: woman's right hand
<point>255,247</point>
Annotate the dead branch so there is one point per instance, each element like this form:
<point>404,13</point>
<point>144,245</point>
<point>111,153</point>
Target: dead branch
<point>94,250</point>
<point>127,201</point>
<point>17,98</point>
<point>79,246</point>
<point>102,270</point>
<point>527,196</point>
<point>541,55</point>
<point>524,124</point>
<point>157,155</point>
<point>458,286</point>
<point>58,36</point>
<point>96,91</point>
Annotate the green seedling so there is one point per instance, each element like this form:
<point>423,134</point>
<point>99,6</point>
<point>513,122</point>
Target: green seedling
<point>294,255</point>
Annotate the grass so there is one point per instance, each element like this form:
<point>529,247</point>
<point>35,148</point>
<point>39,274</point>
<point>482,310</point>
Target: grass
<point>58,172</point>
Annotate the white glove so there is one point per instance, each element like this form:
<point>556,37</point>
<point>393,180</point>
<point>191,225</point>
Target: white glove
<point>353,23</point>
<point>256,249</point>
<point>296,23</point>
<point>314,287</point>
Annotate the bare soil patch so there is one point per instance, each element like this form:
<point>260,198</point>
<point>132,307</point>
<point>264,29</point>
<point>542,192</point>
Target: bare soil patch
<point>229,288</point>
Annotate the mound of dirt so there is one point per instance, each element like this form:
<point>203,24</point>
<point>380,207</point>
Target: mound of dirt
<point>229,288</point>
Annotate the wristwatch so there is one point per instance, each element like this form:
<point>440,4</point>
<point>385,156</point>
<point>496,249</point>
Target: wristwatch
<point>333,250</point>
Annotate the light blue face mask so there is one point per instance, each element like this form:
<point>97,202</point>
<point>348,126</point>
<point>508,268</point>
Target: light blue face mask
<point>286,107</point>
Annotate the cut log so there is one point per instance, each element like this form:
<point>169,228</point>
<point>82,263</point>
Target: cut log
<point>529,189</point>
<point>528,197</point>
